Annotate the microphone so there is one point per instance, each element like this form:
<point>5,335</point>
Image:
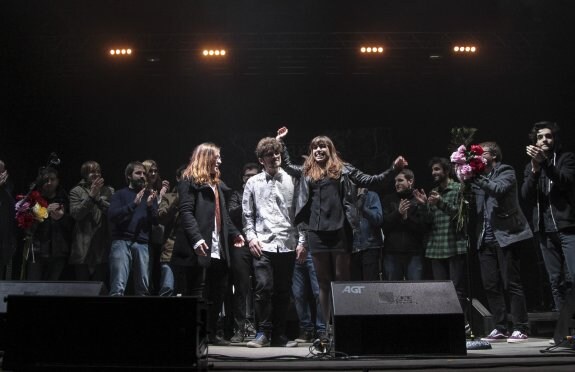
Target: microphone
<point>54,159</point>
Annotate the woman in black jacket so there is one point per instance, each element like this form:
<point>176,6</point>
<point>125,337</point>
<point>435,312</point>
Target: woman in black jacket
<point>201,257</point>
<point>326,205</point>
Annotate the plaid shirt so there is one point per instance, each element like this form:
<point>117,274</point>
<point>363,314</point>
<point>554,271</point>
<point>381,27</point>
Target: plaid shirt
<point>443,240</point>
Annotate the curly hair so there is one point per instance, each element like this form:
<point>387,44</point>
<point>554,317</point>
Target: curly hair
<point>267,145</point>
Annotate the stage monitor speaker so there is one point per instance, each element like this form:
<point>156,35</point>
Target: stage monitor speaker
<point>30,288</point>
<point>566,323</point>
<point>397,318</point>
<point>123,333</point>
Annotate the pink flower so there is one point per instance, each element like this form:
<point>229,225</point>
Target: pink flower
<point>458,157</point>
<point>464,172</point>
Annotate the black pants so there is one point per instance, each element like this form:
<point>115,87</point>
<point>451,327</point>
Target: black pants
<point>241,279</point>
<point>209,284</point>
<point>454,269</point>
<point>273,273</point>
<point>500,273</point>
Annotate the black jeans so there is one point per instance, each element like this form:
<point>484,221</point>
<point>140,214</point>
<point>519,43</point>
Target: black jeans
<point>453,268</point>
<point>208,283</point>
<point>365,264</point>
<point>500,273</point>
<point>273,274</point>
<point>241,272</point>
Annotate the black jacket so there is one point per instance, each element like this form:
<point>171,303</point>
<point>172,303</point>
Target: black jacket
<point>197,215</point>
<point>496,196</point>
<point>350,179</point>
<point>403,236</point>
<point>551,191</point>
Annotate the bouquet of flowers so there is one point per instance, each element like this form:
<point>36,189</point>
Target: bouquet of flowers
<point>30,209</point>
<point>468,163</point>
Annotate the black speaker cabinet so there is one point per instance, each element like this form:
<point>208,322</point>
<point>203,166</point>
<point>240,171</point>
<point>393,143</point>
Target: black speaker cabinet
<point>30,288</point>
<point>397,318</point>
<point>566,323</point>
<point>118,333</point>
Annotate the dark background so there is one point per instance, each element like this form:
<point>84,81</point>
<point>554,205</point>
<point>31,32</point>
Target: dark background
<point>293,63</point>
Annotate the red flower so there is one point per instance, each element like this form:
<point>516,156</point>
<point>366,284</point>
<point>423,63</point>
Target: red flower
<point>35,197</point>
<point>477,165</point>
<point>478,150</point>
<point>25,220</point>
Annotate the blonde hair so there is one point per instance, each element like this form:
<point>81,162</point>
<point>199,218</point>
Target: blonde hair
<point>148,165</point>
<point>202,163</point>
<point>332,167</point>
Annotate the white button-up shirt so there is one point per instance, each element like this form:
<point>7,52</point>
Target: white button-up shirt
<point>268,212</point>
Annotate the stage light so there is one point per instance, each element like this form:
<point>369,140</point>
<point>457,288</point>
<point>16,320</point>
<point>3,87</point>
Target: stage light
<point>465,49</point>
<point>371,49</point>
<point>214,52</point>
<point>123,52</point>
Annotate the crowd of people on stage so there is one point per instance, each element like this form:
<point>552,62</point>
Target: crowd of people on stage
<point>294,228</point>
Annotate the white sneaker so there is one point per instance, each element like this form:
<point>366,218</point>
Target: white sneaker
<point>496,336</point>
<point>517,336</point>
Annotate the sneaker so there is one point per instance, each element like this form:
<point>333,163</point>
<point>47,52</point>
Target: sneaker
<point>305,336</point>
<point>261,340</point>
<point>552,342</point>
<point>517,336</point>
<point>496,336</point>
<point>283,341</point>
<point>237,338</point>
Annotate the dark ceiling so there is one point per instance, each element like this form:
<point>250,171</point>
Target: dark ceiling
<point>289,62</point>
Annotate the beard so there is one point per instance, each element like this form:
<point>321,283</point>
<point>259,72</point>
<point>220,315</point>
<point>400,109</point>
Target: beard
<point>437,181</point>
<point>138,184</point>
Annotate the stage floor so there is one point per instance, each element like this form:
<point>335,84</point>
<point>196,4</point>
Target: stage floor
<point>535,354</point>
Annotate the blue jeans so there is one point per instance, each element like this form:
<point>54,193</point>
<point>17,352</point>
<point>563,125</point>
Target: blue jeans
<point>123,255</point>
<point>166,280</point>
<point>558,251</point>
<point>302,275</point>
<point>403,266</point>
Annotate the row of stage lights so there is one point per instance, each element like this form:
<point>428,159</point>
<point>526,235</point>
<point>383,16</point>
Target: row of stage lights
<point>120,52</point>
<point>372,49</point>
<point>363,50</point>
<point>465,49</point>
